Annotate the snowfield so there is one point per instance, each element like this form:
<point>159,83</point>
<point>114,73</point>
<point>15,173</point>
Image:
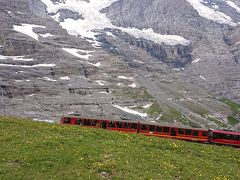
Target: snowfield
<point>28,30</point>
<point>94,20</point>
<point>210,13</point>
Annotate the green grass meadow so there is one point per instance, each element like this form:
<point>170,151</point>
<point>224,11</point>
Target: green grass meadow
<point>36,150</point>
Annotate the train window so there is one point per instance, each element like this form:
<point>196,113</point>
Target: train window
<point>94,123</point>
<point>180,131</point>
<point>151,128</point>
<point>78,121</point>
<point>204,133</point>
<point>166,129</point>
<point>111,124</point>
<point>188,132</point>
<point>159,129</point>
<point>195,133</point>
<point>127,125</point>
<point>144,127</point>
<point>87,122</point>
<point>133,126</point>
<point>67,121</point>
<point>119,124</point>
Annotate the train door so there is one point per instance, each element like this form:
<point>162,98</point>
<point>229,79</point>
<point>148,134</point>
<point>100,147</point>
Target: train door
<point>173,131</point>
<point>210,135</point>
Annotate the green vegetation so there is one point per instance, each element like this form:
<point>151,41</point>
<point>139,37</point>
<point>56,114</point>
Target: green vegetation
<point>154,109</point>
<point>196,108</point>
<point>34,150</point>
<point>171,114</point>
<point>219,123</point>
<point>232,120</point>
<point>137,93</point>
<point>234,106</point>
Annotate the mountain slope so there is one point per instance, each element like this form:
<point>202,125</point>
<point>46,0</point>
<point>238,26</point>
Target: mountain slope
<point>43,151</point>
<point>153,60</point>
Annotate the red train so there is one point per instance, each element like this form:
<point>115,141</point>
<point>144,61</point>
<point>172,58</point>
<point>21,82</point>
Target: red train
<point>156,129</point>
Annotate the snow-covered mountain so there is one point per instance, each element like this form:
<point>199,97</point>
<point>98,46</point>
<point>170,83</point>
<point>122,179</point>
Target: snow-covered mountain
<point>158,60</point>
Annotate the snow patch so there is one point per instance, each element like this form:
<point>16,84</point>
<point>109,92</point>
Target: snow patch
<point>28,29</point>
<point>124,77</point>
<point>65,78</point>
<point>138,61</point>
<point>100,82</point>
<point>15,58</point>
<point>31,95</point>
<point>110,34</point>
<point>75,52</point>
<point>126,109</point>
<point>215,6</point>
<point>195,61</point>
<point>103,92</point>
<point>46,35</point>
<point>147,106</point>
<point>233,5</point>
<point>25,66</point>
<point>19,80</point>
<point>202,77</point>
<point>120,84</point>
<point>149,34</point>
<point>133,85</point>
<point>210,13</point>
<point>96,65</point>
<point>48,79</point>
<point>237,43</point>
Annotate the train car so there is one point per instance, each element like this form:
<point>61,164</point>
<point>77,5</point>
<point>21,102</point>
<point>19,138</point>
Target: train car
<point>224,137</point>
<point>174,132</point>
<point>133,126</point>
<point>156,129</point>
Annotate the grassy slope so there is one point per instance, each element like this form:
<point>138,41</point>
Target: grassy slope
<point>33,150</point>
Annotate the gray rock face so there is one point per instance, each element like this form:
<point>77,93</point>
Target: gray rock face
<point>211,41</point>
<point>65,13</point>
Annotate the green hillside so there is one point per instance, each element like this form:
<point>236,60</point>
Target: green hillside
<point>34,150</point>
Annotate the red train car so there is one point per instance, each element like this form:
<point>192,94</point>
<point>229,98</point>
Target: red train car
<point>156,129</point>
<point>224,137</point>
<point>145,128</point>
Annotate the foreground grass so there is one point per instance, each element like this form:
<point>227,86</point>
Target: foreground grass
<point>33,150</point>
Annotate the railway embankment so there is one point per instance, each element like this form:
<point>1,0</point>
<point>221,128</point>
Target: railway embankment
<point>38,150</point>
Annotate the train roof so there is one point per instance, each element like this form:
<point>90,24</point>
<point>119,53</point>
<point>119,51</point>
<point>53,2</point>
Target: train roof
<point>226,132</point>
<point>98,117</point>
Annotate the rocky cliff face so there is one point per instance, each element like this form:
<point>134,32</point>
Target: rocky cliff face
<point>47,70</point>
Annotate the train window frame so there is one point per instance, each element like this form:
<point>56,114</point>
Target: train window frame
<point>67,120</point>
<point>144,127</point>
<point>152,128</point>
<point>181,131</point>
<point>188,132</point>
<point>94,121</point>
<point>134,125</point>
<point>86,122</point>
<point>126,125</point>
<point>195,133</point>
<point>165,129</point>
<point>204,133</point>
<point>119,124</point>
<point>111,124</point>
<point>78,122</point>
<point>159,129</point>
